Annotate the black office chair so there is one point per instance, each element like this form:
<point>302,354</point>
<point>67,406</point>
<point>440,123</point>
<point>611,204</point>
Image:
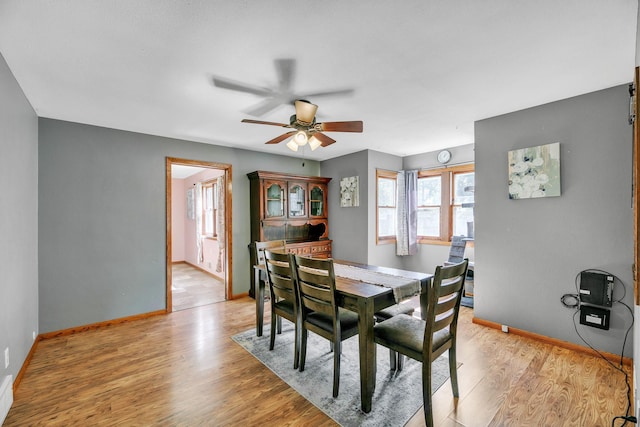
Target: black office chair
<point>456,251</point>
<point>426,340</point>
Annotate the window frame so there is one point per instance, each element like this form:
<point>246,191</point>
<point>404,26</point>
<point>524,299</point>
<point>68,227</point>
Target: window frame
<point>447,175</point>
<point>205,208</point>
<point>392,175</point>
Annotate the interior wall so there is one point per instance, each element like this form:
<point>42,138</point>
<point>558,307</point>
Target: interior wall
<point>529,252</point>
<point>18,223</point>
<point>384,255</point>
<point>178,219</point>
<point>102,199</point>
<point>347,226</point>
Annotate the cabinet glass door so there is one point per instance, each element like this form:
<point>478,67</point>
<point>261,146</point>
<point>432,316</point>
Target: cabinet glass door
<point>316,201</point>
<point>275,201</point>
<point>296,201</point>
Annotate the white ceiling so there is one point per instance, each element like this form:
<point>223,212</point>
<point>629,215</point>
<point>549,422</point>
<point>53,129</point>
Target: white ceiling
<point>422,71</point>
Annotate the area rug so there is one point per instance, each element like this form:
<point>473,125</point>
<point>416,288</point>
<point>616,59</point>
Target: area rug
<point>396,399</point>
<point>467,302</point>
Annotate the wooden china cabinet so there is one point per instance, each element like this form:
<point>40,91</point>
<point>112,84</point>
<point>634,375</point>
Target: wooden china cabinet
<point>291,208</point>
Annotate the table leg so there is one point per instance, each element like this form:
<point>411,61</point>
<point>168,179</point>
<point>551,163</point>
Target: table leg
<point>259,295</point>
<point>367,354</point>
<point>424,298</point>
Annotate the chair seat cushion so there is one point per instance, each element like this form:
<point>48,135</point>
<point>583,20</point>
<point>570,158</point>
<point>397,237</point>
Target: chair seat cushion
<point>408,332</point>
<point>394,310</point>
<point>348,320</point>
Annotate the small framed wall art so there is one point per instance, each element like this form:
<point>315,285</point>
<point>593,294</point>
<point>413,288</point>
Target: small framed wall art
<point>534,172</point>
<point>349,192</point>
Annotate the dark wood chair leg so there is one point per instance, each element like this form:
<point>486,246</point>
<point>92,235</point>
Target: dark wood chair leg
<point>426,393</point>
<point>296,345</point>
<point>336,367</point>
<point>272,333</point>
<point>453,370</point>
<point>303,348</point>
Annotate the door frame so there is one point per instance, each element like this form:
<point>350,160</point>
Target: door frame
<point>228,245</point>
<point>636,187</point>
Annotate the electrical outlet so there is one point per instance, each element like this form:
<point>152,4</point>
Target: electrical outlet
<point>6,358</point>
<point>505,329</point>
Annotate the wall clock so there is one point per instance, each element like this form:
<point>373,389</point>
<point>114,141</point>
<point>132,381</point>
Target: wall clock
<point>444,156</point>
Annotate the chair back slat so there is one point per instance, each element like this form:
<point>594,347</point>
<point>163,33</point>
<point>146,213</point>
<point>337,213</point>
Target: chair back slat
<point>446,304</point>
<point>280,276</point>
<point>260,247</point>
<point>443,322</point>
<point>316,284</point>
<point>445,295</point>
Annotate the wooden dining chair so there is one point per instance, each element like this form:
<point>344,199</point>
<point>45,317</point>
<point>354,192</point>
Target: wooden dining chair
<point>388,313</point>
<point>284,298</point>
<point>320,313</point>
<point>259,248</point>
<point>425,340</point>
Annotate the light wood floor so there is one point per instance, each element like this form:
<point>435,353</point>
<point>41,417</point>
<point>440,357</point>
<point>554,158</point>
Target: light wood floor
<point>183,369</point>
<point>192,287</point>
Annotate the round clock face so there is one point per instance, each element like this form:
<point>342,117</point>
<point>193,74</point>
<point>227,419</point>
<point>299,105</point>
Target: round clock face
<point>444,156</point>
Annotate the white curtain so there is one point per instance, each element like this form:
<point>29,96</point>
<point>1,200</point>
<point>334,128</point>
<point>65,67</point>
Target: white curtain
<point>221,231</point>
<point>200,254</point>
<point>407,213</point>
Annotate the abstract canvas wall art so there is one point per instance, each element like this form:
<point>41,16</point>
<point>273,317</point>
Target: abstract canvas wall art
<point>349,192</point>
<point>534,172</point>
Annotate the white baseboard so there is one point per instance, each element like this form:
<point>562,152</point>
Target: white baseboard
<point>6,397</point>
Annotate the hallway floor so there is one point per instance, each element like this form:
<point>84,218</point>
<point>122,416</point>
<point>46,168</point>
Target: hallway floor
<point>192,287</point>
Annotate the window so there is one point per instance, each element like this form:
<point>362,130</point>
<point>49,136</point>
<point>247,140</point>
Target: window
<point>386,206</point>
<point>445,203</point>
<point>209,208</point>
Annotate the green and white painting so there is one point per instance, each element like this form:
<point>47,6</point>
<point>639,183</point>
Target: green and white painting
<point>534,172</point>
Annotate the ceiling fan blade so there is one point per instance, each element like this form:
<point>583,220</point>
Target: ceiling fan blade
<point>327,93</point>
<point>324,139</point>
<point>285,69</point>
<point>241,87</point>
<point>281,137</point>
<point>354,126</point>
<point>260,122</point>
<point>264,107</point>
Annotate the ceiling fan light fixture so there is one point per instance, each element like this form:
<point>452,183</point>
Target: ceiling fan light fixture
<point>305,111</point>
<point>314,143</point>
<point>301,138</point>
<point>292,145</point>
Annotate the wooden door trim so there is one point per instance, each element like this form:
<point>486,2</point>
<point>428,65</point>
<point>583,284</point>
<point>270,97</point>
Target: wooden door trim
<point>228,270</point>
<point>636,187</point>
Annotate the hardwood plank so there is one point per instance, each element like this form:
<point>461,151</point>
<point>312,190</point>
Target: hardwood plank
<point>183,368</point>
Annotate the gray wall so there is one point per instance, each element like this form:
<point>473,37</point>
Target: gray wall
<point>18,223</point>
<point>384,255</point>
<point>528,252</point>
<point>102,219</point>
<point>348,226</point>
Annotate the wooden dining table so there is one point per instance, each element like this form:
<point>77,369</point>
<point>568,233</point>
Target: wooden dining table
<point>364,299</point>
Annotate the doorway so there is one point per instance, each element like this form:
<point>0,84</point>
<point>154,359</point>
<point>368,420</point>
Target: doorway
<point>198,233</point>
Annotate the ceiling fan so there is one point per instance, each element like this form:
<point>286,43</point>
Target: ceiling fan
<point>282,94</point>
<point>306,129</point>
